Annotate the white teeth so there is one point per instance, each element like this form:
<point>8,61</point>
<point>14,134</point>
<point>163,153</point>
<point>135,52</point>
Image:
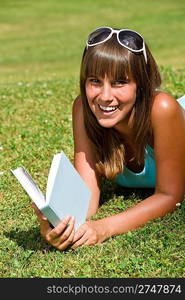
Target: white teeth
<point>108,108</point>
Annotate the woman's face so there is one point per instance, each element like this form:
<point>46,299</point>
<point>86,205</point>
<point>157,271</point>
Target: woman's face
<point>111,101</point>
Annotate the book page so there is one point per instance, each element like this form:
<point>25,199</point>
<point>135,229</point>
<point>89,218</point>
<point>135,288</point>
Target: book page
<point>30,186</point>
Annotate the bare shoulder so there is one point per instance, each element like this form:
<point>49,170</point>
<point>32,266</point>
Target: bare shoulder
<point>164,103</point>
<point>78,124</point>
<point>77,113</point>
<point>77,105</point>
<point>165,108</point>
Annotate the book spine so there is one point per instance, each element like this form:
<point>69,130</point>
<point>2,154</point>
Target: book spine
<point>50,215</point>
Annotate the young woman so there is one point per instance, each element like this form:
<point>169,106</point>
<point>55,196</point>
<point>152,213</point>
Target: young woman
<point>126,130</point>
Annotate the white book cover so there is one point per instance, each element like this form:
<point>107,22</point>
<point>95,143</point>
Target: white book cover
<point>66,192</point>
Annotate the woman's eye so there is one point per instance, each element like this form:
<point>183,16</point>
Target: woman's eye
<point>94,80</point>
<point>119,82</point>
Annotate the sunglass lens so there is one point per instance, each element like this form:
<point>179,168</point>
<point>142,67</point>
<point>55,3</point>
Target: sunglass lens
<point>98,35</point>
<point>131,39</point>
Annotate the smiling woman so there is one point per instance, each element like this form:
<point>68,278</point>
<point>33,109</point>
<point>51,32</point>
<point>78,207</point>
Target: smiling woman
<point>122,125</point>
<point>130,76</point>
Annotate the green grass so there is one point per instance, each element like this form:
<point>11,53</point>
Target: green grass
<point>44,39</point>
<point>40,51</point>
<point>35,124</point>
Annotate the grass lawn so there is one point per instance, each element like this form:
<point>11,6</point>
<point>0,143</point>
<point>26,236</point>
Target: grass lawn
<point>40,50</point>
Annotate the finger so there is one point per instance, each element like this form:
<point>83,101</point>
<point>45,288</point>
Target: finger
<point>59,229</point>
<point>66,238</point>
<point>66,234</point>
<point>82,241</point>
<point>78,234</point>
<point>68,242</point>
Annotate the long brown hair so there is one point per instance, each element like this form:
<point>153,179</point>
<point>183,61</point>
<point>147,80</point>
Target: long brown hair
<point>115,61</point>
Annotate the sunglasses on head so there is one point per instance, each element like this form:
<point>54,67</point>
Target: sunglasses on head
<point>127,38</point>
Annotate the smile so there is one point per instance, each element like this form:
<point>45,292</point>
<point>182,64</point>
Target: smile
<point>108,109</point>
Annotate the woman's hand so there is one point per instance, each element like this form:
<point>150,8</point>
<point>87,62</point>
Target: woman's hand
<point>90,233</point>
<point>64,236</point>
<point>61,237</point>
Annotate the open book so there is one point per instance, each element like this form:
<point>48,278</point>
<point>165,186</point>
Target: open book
<point>66,192</point>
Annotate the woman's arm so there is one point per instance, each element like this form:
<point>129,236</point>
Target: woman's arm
<point>168,125</point>
<point>84,160</point>
<point>168,122</point>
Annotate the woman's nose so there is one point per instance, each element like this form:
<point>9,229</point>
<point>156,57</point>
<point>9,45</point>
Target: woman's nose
<point>106,92</point>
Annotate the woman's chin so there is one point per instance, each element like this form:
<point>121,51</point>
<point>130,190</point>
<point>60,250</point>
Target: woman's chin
<point>106,123</point>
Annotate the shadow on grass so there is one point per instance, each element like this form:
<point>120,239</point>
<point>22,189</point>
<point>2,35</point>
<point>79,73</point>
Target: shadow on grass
<point>110,189</point>
<point>29,239</point>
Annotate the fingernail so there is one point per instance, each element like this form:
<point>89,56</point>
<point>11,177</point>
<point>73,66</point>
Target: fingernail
<point>67,218</point>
